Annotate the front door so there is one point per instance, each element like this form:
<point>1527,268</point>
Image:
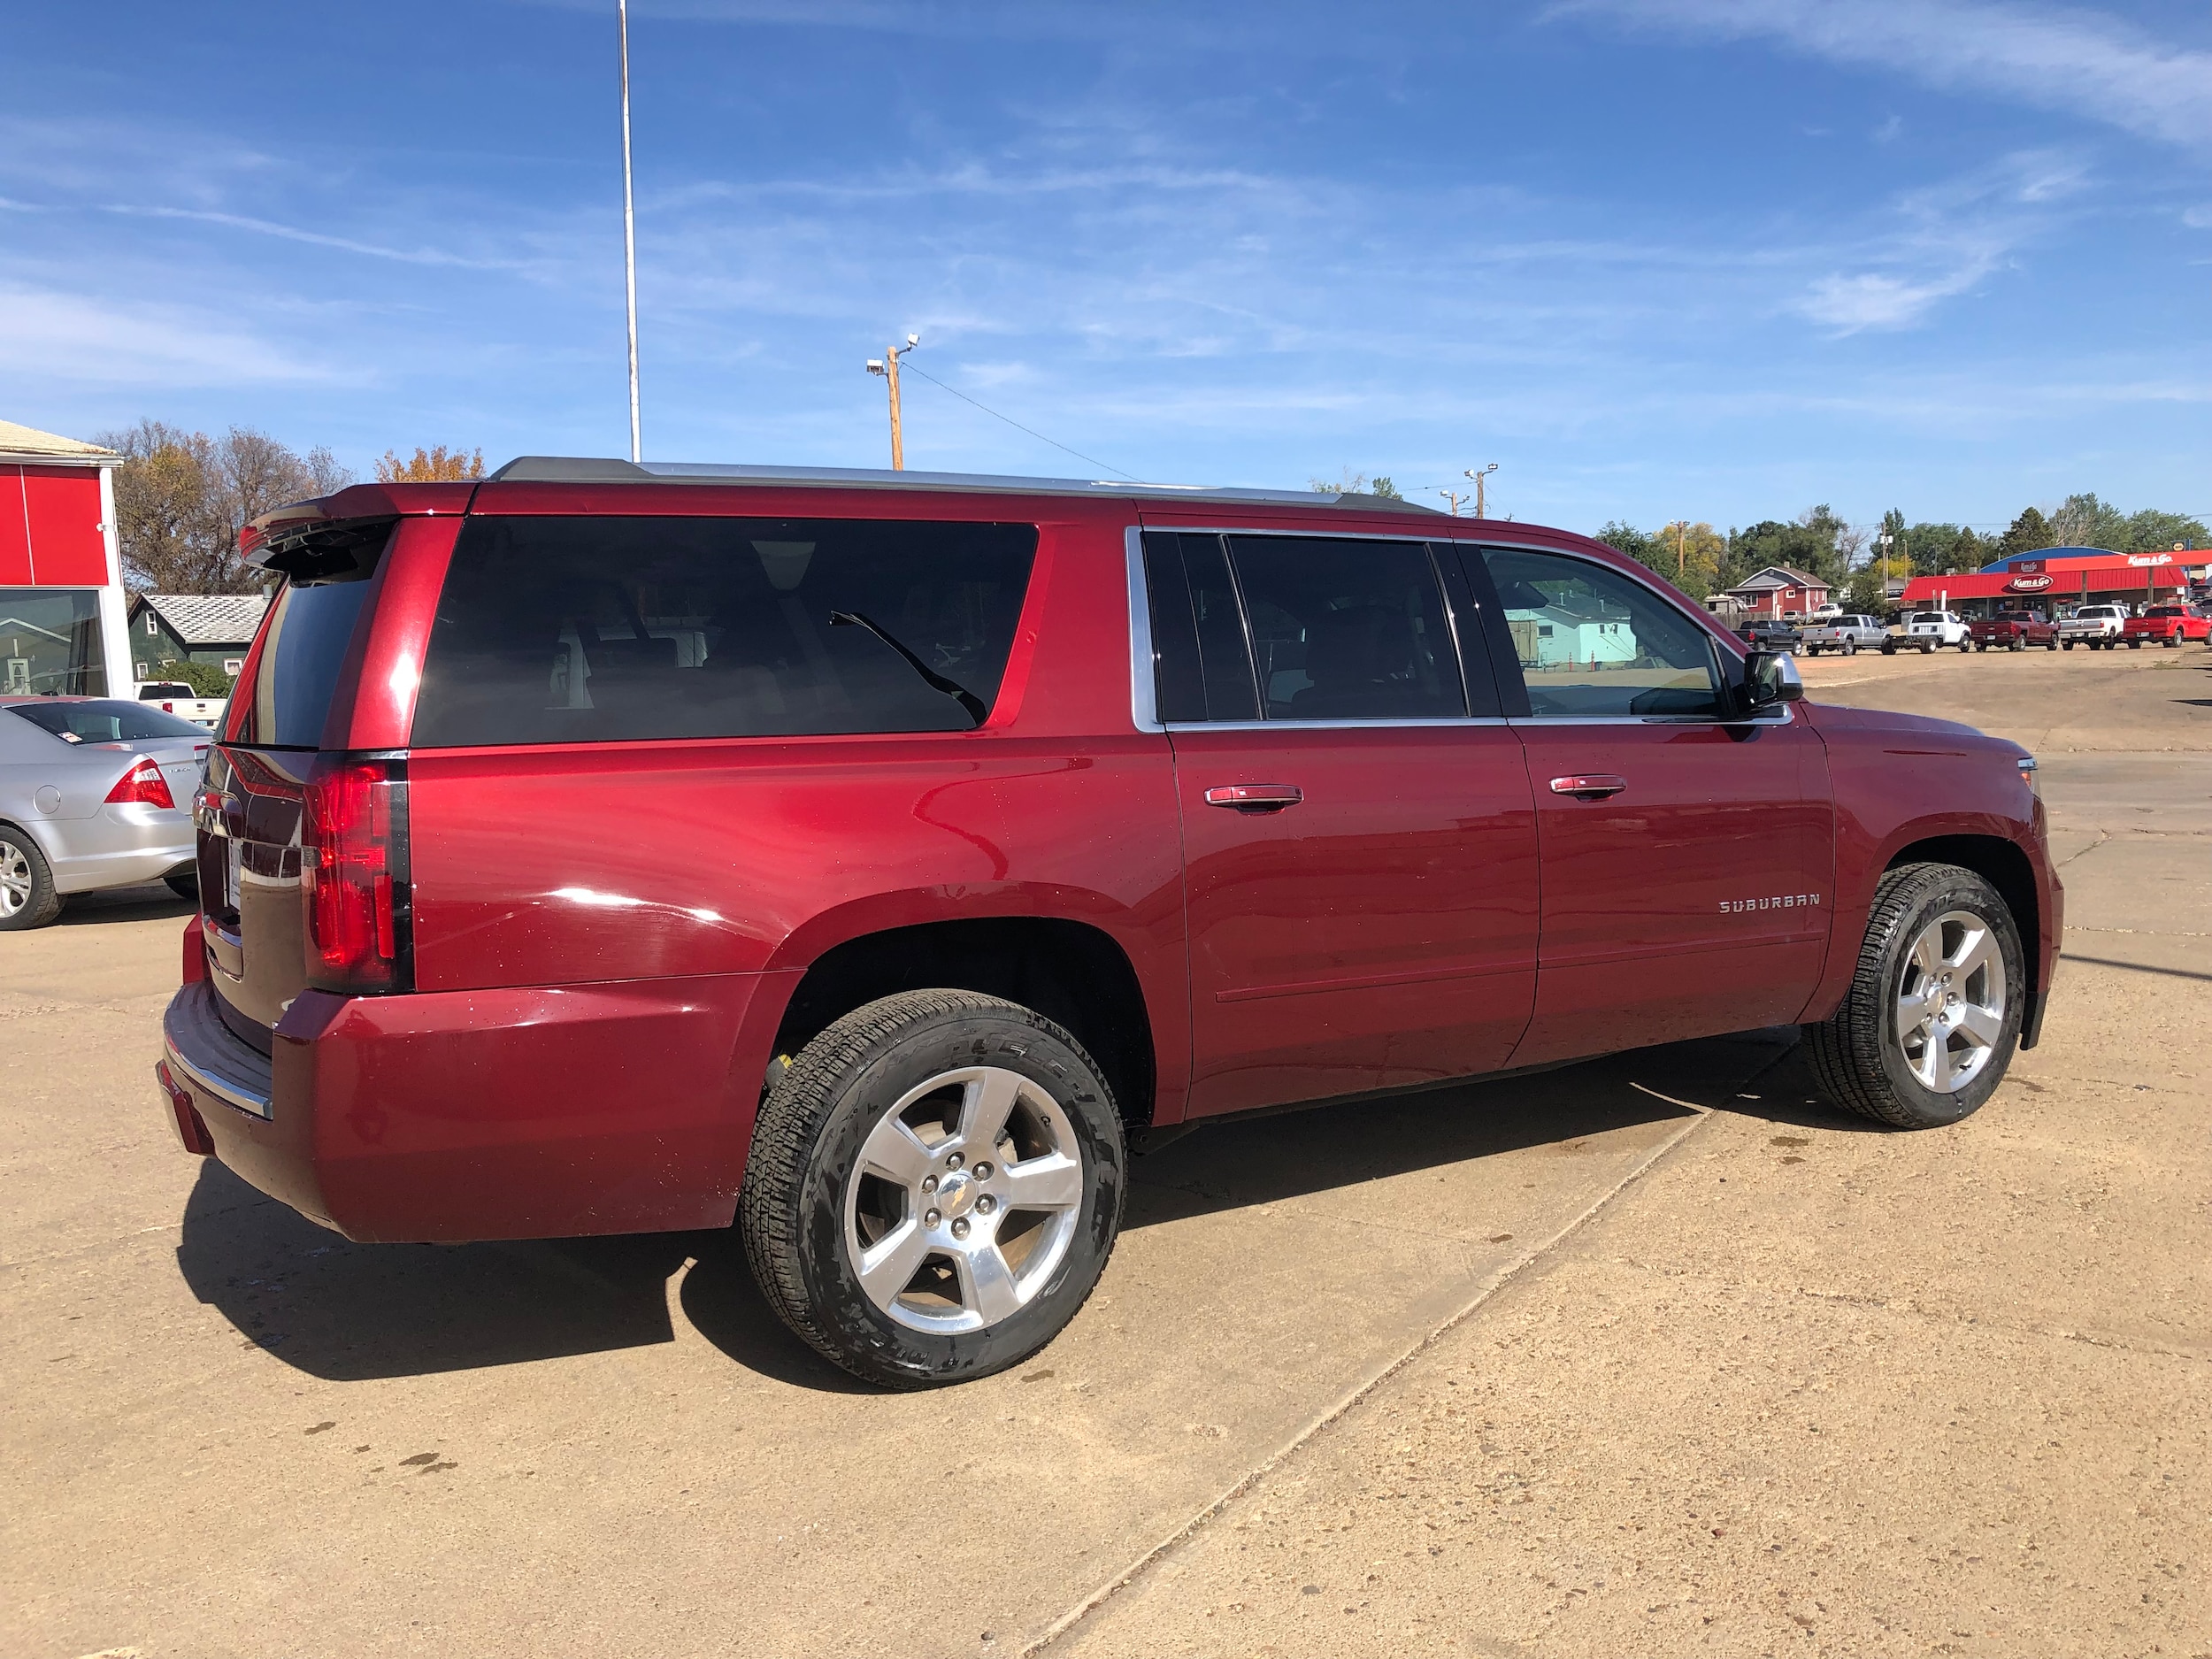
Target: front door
<point>1360,852</point>
<point>1687,855</point>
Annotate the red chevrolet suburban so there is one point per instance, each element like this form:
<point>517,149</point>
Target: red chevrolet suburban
<point>864,859</point>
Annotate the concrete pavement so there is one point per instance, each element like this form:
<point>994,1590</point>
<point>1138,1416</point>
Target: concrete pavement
<point>1646,1355</point>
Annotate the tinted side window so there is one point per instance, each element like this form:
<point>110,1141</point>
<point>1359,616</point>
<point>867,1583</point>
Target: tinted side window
<point>1595,645</point>
<point>1347,629</point>
<point>312,625</point>
<point>596,630</point>
<point>1202,662</point>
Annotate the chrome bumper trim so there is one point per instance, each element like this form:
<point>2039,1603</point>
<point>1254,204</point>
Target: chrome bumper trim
<point>205,1056</point>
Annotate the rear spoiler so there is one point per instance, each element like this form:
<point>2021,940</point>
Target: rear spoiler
<point>340,534</point>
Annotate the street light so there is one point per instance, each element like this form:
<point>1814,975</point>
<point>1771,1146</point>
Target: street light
<point>1478,474</point>
<point>887,366</point>
<point>629,224</point>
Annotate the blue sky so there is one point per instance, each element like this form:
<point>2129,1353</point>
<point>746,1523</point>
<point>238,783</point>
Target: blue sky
<point>1713,258</point>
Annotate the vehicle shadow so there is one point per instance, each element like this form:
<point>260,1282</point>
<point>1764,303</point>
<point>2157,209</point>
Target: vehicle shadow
<point>352,1312</point>
<point>150,902</point>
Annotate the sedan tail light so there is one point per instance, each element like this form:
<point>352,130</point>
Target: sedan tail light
<point>142,782</point>
<point>354,875</point>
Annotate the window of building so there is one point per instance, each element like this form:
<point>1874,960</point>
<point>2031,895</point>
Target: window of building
<point>50,642</point>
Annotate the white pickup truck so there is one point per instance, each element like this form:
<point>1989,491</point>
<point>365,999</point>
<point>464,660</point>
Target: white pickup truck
<point>1842,632</point>
<point>1924,630</point>
<point>173,697</point>
<point>2097,626</point>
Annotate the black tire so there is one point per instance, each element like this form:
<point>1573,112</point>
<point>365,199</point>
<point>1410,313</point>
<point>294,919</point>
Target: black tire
<point>1889,648</point>
<point>806,1154</point>
<point>185,884</point>
<point>1926,647</point>
<point>29,900</point>
<point>2018,644</point>
<point>2135,645</point>
<point>1962,647</point>
<point>1858,1055</point>
<point>2066,645</point>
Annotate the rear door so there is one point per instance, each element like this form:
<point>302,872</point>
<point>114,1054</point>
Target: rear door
<point>1687,855</point>
<point>1359,839</point>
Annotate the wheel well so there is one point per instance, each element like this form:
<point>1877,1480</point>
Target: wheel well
<point>2001,864</point>
<point>1071,973</point>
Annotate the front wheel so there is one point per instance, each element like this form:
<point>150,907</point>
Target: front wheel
<point>1850,648</point>
<point>2018,644</point>
<point>2067,645</point>
<point>1933,1013</point>
<point>1964,646</point>
<point>934,1188</point>
<point>1889,648</point>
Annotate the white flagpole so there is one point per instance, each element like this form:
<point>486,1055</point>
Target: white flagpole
<point>629,225</point>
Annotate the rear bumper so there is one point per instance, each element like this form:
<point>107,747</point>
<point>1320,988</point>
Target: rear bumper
<point>118,847</point>
<point>458,1116</point>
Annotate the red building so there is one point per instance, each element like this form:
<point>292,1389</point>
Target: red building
<point>2055,584</point>
<point>61,579</point>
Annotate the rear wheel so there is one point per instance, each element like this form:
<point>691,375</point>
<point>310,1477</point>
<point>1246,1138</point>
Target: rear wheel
<point>934,1188</point>
<point>2067,644</point>
<point>28,898</point>
<point>1929,1025</point>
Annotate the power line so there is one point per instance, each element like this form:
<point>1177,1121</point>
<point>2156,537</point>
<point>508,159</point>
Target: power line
<point>1016,425</point>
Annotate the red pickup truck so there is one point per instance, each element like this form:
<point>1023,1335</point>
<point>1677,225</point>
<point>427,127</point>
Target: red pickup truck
<point>872,860</point>
<point>2013,631</point>
<point>2167,625</point>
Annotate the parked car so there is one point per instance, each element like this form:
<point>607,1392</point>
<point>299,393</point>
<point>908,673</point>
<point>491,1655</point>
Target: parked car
<point>173,697</point>
<point>1843,634</point>
<point>1770,634</point>
<point>2097,626</point>
<point>1825,613</point>
<point>95,792</point>
<point>1925,630</point>
<point>2167,625</point>
<point>2013,631</point>
<point>866,859</point>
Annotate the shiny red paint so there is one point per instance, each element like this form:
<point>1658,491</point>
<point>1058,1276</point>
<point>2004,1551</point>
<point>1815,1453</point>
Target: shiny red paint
<point>607,936</point>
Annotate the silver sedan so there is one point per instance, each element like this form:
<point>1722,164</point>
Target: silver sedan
<point>95,793</point>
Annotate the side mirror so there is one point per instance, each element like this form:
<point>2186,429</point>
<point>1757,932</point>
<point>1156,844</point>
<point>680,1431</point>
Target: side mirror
<point>1769,678</point>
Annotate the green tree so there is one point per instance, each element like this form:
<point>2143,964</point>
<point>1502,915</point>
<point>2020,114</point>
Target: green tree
<point>2151,531</point>
<point>2084,521</point>
<point>2030,532</point>
<point>1384,488</point>
<point>206,679</point>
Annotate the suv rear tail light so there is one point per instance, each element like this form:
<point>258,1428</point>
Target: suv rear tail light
<point>144,783</point>
<point>353,876</point>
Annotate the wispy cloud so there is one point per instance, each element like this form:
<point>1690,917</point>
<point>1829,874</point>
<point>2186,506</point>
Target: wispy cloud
<point>73,340</point>
<point>317,239</point>
<point>2088,63</point>
<point>1950,238</point>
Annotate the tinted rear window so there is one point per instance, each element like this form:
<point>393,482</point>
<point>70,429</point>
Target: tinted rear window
<point>308,633</point>
<point>105,721</point>
<point>597,630</point>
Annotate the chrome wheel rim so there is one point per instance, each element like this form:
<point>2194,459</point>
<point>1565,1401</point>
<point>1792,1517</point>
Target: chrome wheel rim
<point>1951,1001</point>
<point>15,879</point>
<point>964,1201</point>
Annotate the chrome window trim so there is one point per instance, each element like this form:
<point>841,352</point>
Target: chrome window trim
<point>1456,722</point>
<point>1144,686</point>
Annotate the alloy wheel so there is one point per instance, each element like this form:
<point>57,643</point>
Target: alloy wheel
<point>15,879</point>
<point>963,1199</point>
<point>1951,1001</point>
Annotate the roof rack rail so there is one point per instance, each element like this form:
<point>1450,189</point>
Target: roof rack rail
<point>560,469</point>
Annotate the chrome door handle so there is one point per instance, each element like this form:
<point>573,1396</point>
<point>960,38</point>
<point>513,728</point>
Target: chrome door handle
<point>1254,797</point>
<point>1589,786</point>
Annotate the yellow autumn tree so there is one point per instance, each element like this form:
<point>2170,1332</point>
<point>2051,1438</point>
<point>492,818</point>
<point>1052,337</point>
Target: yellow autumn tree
<point>435,465</point>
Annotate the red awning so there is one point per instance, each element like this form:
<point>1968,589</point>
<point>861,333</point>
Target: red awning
<point>2067,583</point>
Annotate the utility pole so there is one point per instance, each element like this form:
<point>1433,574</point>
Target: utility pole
<point>629,224</point>
<point>1453,496</point>
<point>1478,474</point>
<point>887,366</point>
<point>1681,531</point>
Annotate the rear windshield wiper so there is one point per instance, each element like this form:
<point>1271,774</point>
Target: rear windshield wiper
<point>958,693</point>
